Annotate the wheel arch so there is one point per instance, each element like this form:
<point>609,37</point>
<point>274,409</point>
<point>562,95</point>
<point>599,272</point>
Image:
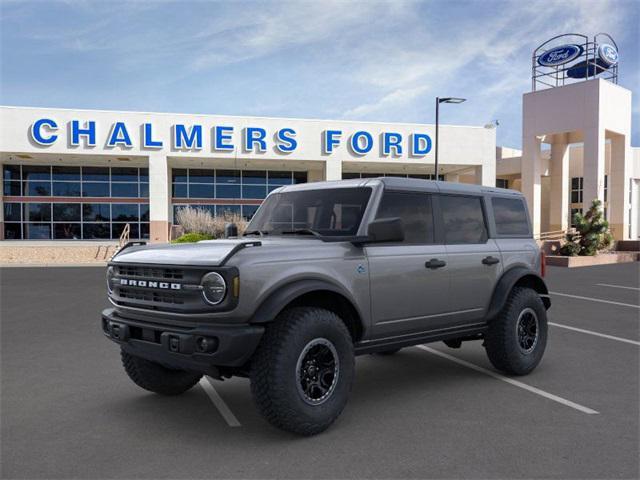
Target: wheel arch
<point>312,293</point>
<point>516,277</point>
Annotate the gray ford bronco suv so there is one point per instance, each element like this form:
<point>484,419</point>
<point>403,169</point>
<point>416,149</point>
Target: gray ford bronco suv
<point>325,272</point>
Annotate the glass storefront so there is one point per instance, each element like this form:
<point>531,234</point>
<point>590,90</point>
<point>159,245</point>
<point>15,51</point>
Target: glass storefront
<point>349,175</point>
<point>114,197</point>
<point>209,188</point>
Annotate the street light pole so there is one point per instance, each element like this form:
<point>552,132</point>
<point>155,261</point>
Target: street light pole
<point>437,142</point>
<point>438,102</point>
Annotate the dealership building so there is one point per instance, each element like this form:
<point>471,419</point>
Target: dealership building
<point>86,174</point>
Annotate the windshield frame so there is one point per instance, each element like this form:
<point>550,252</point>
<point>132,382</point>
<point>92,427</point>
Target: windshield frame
<point>257,223</point>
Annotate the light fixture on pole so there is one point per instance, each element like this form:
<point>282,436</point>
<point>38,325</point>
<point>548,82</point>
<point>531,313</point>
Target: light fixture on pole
<point>438,102</point>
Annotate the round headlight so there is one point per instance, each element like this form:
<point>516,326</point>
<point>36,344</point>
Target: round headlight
<point>214,288</point>
<point>111,272</point>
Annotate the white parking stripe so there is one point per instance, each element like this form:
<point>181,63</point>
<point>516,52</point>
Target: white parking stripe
<point>590,332</point>
<point>207,385</point>
<point>511,381</point>
<point>617,286</point>
<point>595,300</point>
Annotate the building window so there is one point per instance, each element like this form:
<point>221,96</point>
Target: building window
<point>427,176</point>
<point>208,185</point>
<point>576,189</point>
<point>65,214</point>
<point>502,183</point>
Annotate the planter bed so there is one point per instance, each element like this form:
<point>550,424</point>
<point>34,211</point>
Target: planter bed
<point>601,259</point>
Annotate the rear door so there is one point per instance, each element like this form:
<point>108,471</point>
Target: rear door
<point>475,263</point>
<point>409,279</point>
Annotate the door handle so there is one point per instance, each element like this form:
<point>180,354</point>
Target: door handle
<point>490,260</point>
<point>435,263</point>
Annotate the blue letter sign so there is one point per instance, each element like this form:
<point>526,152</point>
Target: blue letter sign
<point>182,139</point>
<point>421,144</point>
<point>119,136</point>
<point>357,147</point>
<point>36,131</point>
<point>89,131</point>
<point>286,140</point>
<point>147,138</point>
<point>222,136</point>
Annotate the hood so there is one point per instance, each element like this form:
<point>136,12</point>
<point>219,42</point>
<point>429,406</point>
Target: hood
<point>209,252</point>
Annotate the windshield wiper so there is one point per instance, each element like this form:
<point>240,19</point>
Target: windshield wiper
<point>302,231</point>
<point>261,233</point>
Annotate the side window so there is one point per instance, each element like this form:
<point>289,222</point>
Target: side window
<point>511,216</point>
<point>463,219</point>
<point>414,209</point>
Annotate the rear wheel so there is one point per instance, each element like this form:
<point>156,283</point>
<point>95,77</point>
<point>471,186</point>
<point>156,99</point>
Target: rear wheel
<point>157,378</point>
<point>517,337</point>
<point>302,371</point>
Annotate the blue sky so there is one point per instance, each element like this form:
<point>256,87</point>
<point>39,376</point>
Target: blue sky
<point>368,60</point>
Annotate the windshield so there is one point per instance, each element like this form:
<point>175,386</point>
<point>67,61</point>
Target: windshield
<point>325,212</point>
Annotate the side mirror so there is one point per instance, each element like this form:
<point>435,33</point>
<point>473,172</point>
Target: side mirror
<point>385,230</point>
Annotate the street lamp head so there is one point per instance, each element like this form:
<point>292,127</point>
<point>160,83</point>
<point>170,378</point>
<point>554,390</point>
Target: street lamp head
<point>451,100</point>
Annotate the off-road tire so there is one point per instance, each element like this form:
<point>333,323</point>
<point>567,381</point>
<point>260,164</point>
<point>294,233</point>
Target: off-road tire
<point>157,378</point>
<point>274,370</point>
<point>386,353</point>
<point>501,340</point>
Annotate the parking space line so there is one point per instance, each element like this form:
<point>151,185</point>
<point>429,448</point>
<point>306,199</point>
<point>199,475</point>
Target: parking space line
<point>595,300</point>
<point>617,286</point>
<point>590,332</point>
<point>511,381</point>
<point>207,385</point>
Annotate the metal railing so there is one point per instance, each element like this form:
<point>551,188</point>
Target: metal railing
<point>124,236</point>
<point>553,234</point>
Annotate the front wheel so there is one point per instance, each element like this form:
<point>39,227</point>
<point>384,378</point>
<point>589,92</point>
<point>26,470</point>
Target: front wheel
<point>517,337</point>
<point>302,371</point>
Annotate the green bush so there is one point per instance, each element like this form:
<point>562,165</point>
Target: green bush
<point>591,235</point>
<point>192,238</point>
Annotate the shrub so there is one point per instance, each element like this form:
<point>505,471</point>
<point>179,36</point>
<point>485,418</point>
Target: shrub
<point>199,220</point>
<point>192,238</point>
<point>591,235</point>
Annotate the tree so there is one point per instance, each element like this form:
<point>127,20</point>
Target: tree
<point>591,235</point>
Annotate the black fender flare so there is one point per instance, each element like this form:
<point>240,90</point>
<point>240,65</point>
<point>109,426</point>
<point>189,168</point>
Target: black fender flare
<point>285,294</point>
<point>508,280</point>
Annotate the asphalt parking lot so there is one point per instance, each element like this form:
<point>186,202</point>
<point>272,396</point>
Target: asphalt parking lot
<point>69,411</point>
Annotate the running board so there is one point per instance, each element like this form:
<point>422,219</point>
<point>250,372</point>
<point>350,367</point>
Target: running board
<point>467,332</point>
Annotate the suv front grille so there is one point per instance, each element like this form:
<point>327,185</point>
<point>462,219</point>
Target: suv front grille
<point>151,296</point>
<point>150,272</point>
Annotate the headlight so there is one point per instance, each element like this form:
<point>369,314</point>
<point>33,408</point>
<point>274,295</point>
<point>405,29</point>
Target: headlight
<point>111,272</point>
<point>214,288</point>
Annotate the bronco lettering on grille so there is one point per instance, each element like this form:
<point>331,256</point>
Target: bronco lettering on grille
<point>150,284</point>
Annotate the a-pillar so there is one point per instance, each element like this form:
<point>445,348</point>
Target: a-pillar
<point>159,198</point>
<point>559,169</point>
<point>593,167</point>
<point>332,169</point>
<point>531,181</point>
<point>618,188</point>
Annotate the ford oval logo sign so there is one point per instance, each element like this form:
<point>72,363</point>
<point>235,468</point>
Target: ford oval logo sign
<point>608,54</point>
<point>560,55</point>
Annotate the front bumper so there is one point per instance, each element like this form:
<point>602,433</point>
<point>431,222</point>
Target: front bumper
<point>195,347</point>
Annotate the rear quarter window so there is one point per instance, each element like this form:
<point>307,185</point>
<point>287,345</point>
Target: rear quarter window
<point>511,216</point>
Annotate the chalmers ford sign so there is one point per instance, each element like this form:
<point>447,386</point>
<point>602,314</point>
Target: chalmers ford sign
<point>222,138</point>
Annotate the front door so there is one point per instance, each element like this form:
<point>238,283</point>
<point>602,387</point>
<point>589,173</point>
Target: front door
<point>409,279</point>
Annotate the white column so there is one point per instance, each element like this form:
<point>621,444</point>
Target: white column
<point>559,204</point>
<point>618,188</point>
<point>486,174</point>
<point>531,172</point>
<point>332,169</point>
<point>159,197</point>
<point>593,166</point>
